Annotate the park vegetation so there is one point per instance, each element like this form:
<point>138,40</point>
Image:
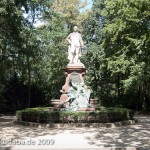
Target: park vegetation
<point>33,58</point>
<point>103,115</point>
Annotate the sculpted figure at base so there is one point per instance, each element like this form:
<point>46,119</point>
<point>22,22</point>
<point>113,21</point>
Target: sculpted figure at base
<point>75,44</point>
<point>78,97</point>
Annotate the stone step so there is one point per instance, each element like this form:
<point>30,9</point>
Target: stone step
<point>93,102</point>
<point>86,109</point>
<point>55,100</point>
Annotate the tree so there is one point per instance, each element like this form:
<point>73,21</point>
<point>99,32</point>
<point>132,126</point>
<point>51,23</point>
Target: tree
<point>69,11</point>
<point>11,26</point>
<point>17,41</point>
<point>121,30</point>
<point>59,20</point>
<point>127,28</point>
<point>10,38</point>
<point>34,57</point>
<point>98,76</point>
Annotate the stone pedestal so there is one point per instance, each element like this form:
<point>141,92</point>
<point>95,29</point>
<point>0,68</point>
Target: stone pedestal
<point>74,72</point>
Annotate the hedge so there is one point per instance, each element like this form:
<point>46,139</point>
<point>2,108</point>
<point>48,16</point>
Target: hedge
<point>44,115</point>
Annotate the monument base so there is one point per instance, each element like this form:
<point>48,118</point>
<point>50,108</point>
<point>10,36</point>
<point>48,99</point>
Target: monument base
<point>74,73</point>
<point>93,102</point>
<point>87,109</point>
<point>79,109</point>
<point>74,92</point>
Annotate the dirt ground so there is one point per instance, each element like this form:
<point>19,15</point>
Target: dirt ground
<point>132,137</point>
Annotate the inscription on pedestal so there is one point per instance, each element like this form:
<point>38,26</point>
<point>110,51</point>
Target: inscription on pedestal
<point>75,78</point>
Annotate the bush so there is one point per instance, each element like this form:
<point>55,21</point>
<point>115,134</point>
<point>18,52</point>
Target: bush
<point>44,115</point>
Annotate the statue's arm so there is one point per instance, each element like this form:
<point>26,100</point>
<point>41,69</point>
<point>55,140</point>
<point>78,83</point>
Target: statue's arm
<point>68,39</point>
<point>81,41</point>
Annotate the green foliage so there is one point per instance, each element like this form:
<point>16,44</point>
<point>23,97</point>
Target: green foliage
<point>43,115</point>
<point>94,58</point>
<point>117,56</point>
<point>35,55</point>
<point>120,31</point>
<point>52,59</point>
<point>11,26</point>
<point>11,99</point>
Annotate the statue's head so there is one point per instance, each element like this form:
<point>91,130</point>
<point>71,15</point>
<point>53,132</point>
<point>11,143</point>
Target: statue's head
<point>75,28</point>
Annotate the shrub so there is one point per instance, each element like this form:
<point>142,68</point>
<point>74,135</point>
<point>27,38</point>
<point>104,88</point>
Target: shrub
<point>44,115</point>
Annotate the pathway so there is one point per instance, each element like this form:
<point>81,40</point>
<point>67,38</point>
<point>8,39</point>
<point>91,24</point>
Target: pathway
<point>13,137</point>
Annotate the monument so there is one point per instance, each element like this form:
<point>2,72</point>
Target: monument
<point>75,94</point>
<point>75,97</point>
<point>75,44</point>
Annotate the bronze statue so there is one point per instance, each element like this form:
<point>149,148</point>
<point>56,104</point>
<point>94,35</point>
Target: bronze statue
<point>78,97</point>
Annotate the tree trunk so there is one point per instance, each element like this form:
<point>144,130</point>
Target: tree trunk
<point>146,100</point>
<point>29,75</point>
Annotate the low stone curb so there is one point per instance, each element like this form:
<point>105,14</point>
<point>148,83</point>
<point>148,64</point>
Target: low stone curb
<point>101,148</point>
<point>80,125</point>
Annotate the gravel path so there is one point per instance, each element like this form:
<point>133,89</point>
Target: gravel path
<point>17,137</point>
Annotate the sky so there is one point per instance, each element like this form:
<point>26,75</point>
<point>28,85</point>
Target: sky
<point>90,2</point>
<point>88,6</point>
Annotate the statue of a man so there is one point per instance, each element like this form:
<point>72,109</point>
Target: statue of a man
<point>75,44</point>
